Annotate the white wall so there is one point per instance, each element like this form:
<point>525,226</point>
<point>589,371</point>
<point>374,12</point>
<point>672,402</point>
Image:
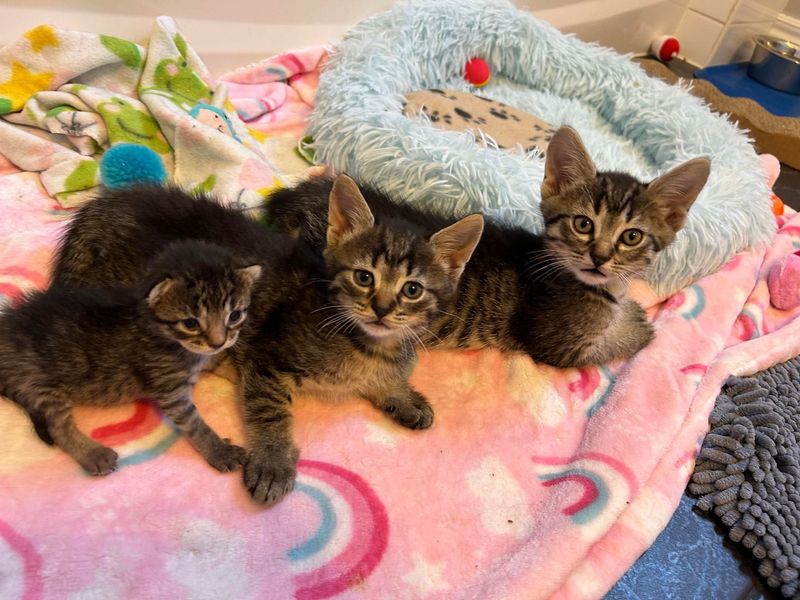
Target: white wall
<point>229,34</point>
<point>715,32</point>
<point>793,9</point>
<point>787,25</point>
<point>627,25</point>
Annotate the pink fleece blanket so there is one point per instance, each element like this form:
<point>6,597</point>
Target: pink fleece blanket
<point>532,483</point>
<point>276,95</point>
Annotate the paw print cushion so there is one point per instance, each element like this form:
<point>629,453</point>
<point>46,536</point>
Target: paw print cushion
<point>628,121</point>
<point>506,126</point>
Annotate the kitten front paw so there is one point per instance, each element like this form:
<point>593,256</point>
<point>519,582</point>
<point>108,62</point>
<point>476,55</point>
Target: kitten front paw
<point>225,456</point>
<point>413,411</point>
<point>270,475</point>
<point>99,461</point>
<point>638,333</point>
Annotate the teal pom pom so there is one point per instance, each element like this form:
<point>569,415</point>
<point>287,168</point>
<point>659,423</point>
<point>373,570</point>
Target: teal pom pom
<point>126,165</point>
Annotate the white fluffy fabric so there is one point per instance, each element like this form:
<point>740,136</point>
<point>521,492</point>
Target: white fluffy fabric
<point>629,122</point>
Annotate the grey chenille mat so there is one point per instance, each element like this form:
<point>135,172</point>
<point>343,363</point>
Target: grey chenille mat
<point>748,471</point>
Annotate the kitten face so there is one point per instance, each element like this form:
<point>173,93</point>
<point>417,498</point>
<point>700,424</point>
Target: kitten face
<point>388,290</point>
<point>608,227</point>
<point>389,281</point>
<point>203,307</point>
<point>605,229</point>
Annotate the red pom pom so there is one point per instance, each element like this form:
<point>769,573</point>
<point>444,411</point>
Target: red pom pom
<point>665,48</point>
<point>669,49</point>
<point>477,72</point>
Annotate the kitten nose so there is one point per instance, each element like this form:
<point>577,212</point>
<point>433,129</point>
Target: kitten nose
<point>216,340</point>
<point>599,260</point>
<point>381,311</point>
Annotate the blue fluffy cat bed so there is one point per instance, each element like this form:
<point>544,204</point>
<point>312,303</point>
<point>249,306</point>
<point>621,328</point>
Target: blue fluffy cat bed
<point>628,121</point>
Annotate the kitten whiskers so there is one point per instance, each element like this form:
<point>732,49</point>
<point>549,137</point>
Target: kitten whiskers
<point>412,335</point>
<point>341,321</point>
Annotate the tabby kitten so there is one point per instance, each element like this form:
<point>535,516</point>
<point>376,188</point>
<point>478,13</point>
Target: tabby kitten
<point>346,326</point>
<point>151,340</point>
<point>558,296</point>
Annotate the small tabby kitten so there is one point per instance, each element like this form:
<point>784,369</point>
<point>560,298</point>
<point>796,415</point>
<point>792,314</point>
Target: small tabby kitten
<point>558,296</point>
<point>68,346</point>
<point>345,327</point>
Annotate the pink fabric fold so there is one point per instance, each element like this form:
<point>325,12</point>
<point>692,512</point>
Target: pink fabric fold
<point>276,95</point>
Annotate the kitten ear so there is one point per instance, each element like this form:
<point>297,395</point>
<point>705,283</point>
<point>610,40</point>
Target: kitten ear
<point>455,244</point>
<point>676,190</point>
<point>566,162</point>
<point>348,212</point>
<point>249,275</point>
<point>158,290</point>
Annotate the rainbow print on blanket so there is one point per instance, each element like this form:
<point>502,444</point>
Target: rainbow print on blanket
<point>144,435</point>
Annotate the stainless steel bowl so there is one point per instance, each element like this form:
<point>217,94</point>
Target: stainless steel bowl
<point>776,63</point>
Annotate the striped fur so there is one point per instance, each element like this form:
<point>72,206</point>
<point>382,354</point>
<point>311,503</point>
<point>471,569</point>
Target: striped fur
<point>517,292</point>
<point>326,334</point>
<point>309,326</point>
<point>627,222</point>
<point>124,343</point>
<point>111,239</point>
<point>560,296</point>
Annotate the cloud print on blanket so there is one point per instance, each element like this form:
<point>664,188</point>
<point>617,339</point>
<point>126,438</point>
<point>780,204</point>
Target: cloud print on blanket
<point>353,528</point>
<point>344,548</point>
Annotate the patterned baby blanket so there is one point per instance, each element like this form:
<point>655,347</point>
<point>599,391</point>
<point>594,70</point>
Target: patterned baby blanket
<point>66,96</point>
<point>533,482</point>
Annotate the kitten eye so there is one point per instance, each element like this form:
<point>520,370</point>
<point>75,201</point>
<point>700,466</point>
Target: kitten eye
<point>583,224</point>
<point>234,317</point>
<point>191,324</point>
<point>412,290</point>
<point>631,237</point>
<point>362,278</point>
